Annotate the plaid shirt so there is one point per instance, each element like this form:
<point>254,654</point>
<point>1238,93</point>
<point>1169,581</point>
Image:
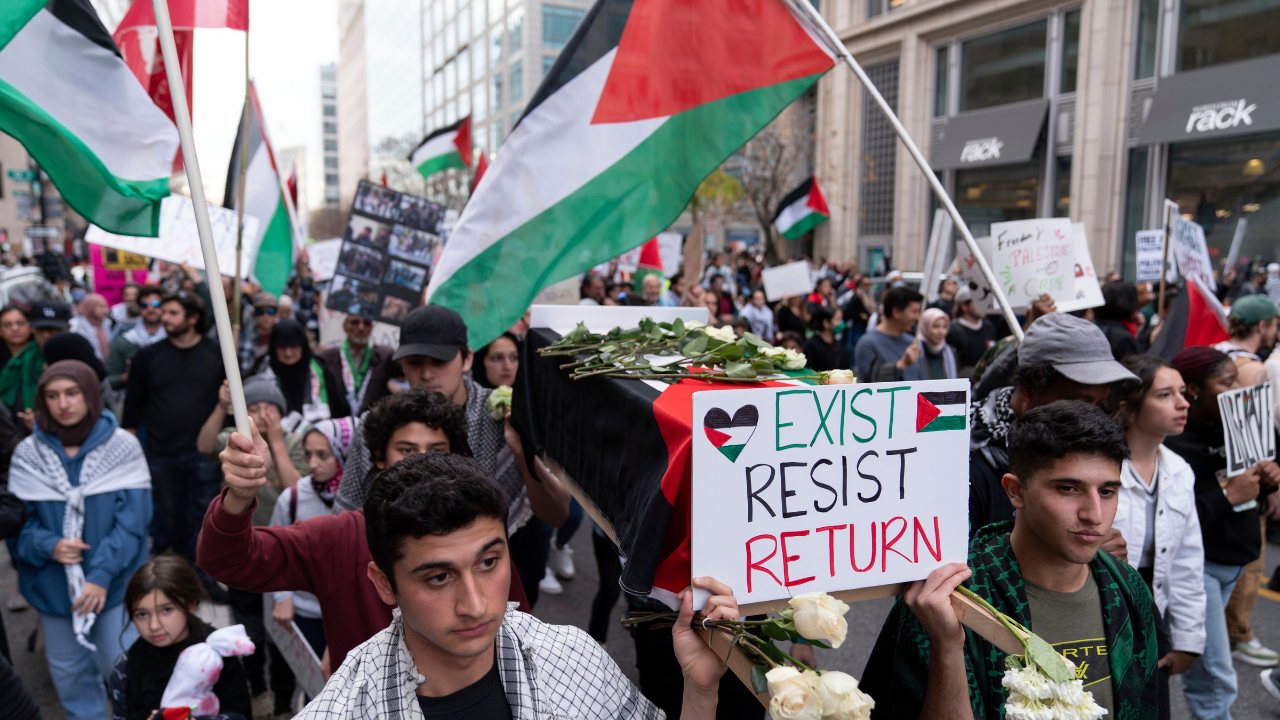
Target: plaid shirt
<point>547,671</point>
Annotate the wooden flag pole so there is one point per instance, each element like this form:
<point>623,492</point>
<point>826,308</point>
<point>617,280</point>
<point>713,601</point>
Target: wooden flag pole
<point>244,170</point>
<point>182,115</point>
<point>803,8</point>
<point>1169,209</point>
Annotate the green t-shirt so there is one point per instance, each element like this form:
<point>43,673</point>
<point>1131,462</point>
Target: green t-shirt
<point>1072,624</point>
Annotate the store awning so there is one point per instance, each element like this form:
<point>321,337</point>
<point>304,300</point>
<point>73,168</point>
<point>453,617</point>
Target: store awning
<point>1223,101</point>
<point>995,136</point>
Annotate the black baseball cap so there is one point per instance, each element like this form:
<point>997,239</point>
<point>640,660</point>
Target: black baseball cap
<point>50,313</point>
<point>434,331</point>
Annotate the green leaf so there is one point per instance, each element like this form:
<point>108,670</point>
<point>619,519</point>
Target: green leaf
<point>732,352</point>
<point>696,346</point>
<point>677,327</point>
<point>773,652</point>
<point>1013,662</point>
<point>1042,654</point>
<point>739,370</point>
<point>775,632</point>
<point>753,339</point>
<point>759,683</point>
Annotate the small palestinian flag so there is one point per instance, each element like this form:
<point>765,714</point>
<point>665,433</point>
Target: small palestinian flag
<point>801,211</point>
<point>936,411</point>
<point>270,254</point>
<point>448,147</point>
<point>729,435</point>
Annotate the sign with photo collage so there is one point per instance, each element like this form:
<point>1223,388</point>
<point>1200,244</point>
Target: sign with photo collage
<point>388,247</point>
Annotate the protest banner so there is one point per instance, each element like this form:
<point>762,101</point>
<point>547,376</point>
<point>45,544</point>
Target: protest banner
<point>295,649</point>
<point>1033,257</point>
<point>971,276</point>
<point>671,249</point>
<point>1188,247</point>
<point>565,292</point>
<point>109,281</point>
<point>1247,427</point>
<point>322,258</point>
<point>388,247</point>
<point>828,488</point>
<point>787,280</point>
<point>1149,254</point>
<point>179,241</point>
<point>1088,294</point>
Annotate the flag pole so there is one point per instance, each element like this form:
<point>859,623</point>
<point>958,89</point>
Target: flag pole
<point>821,26</point>
<point>182,115</point>
<point>244,169</point>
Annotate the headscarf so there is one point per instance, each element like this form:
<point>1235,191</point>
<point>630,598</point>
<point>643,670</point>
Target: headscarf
<point>73,346</point>
<point>83,376</point>
<point>295,380</point>
<point>340,433</point>
<point>20,376</point>
<point>89,302</point>
<point>926,321</point>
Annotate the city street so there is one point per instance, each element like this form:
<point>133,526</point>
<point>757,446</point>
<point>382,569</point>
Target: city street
<point>568,608</point>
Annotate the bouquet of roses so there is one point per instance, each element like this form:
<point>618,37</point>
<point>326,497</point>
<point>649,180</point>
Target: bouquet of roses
<point>797,691</point>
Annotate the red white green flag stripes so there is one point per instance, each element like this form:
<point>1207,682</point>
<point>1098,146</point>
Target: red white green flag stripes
<point>802,210</point>
<point>69,98</point>
<point>448,147</point>
<point>616,140</point>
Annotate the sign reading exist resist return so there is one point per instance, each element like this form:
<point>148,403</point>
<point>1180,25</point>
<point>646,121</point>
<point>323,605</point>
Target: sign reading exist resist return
<point>840,487</point>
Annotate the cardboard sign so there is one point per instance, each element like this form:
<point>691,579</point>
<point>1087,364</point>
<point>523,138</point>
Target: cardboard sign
<point>827,488</point>
<point>179,242</point>
<point>1033,257</point>
<point>1191,251</point>
<point>1149,254</point>
<point>294,647</point>
<point>1088,294</point>
<point>322,258</point>
<point>1248,427</point>
<point>787,280</point>
<point>984,298</point>
<point>388,247</point>
<point>671,250</point>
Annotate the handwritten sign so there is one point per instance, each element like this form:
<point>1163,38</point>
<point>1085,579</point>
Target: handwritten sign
<point>108,281</point>
<point>809,488</point>
<point>1033,257</point>
<point>297,652</point>
<point>1088,294</point>
<point>786,280</point>
<point>1249,429</point>
<point>322,258</point>
<point>180,243</point>
<point>984,299</point>
<point>1149,254</point>
<point>1191,251</point>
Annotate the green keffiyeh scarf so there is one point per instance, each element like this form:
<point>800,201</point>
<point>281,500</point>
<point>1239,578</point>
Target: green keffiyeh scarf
<point>899,663</point>
<point>21,376</point>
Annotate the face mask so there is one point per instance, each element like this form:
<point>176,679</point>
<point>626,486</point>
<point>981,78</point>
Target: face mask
<point>77,295</point>
<point>839,328</point>
<point>898,283</point>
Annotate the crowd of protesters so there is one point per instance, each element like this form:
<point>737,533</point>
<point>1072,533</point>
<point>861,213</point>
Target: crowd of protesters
<point>375,475</point>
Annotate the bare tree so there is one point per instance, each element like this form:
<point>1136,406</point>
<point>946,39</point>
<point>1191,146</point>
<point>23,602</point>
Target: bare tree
<point>772,164</point>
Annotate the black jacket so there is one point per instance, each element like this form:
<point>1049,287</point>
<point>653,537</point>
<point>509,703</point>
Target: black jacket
<point>1123,343</point>
<point>1230,537</point>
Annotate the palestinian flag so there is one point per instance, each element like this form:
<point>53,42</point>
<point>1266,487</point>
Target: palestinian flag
<point>270,254</point>
<point>801,211</point>
<point>729,435</point>
<point>937,411</point>
<point>1196,318</point>
<point>647,98</point>
<point>650,263</point>
<point>69,98</point>
<point>445,148</point>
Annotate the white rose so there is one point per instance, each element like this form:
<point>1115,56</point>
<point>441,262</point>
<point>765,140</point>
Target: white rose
<point>1028,682</point>
<point>838,377</point>
<point>795,360</point>
<point>841,698</point>
<point>1019,707</point>
<point>693,324</point>
<point>818,616</point>
<point>723,334</point>
<point>1068,693</point>
<point>795,695</point>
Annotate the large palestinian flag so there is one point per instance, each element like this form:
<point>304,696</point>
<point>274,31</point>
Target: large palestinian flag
<point>69,98</point>
<point>646,100</point>
<point>802,210</point>
<point>270,254</point>
<point>448,147</point>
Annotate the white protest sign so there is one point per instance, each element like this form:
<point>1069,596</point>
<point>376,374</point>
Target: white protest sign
<point>565,292</point>
<point>1149,254</point>
<point>1191,251</point>
<point>1033,257</point>
<point>179,241</point>
<point>1088,294</point>
<point>295,649</point>
<point>322,258</point>
<point>827,488</point>
<point>671,249</point>
<point>787,280</point>
<point>1247,425</point>
<point>971,275</point>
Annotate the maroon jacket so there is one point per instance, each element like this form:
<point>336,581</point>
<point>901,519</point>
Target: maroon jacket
<point>326,556</point>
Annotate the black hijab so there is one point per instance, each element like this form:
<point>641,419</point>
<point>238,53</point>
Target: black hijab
<point>295,380</point>
<point>73,346</point>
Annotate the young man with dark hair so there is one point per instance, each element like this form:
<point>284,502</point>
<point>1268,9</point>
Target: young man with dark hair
<point>172,388</point>
<point>1045,570</point>
<point>889,351</point>
<point>326,556</point>
<point>147,331</point>
<point>1251,327</point>
<point>436,528</point>
<point>1062,357</point>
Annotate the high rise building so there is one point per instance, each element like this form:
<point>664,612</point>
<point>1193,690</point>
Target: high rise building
<point>329,131</point>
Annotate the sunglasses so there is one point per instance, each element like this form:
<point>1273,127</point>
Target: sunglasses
<point>152,303</point>
<point>264,311</point>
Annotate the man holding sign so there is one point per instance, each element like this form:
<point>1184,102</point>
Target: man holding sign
<point>1046,571</point>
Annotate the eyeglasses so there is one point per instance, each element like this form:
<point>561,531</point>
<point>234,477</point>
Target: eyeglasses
<point>264,311</point>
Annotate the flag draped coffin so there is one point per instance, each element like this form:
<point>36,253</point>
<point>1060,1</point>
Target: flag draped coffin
<point>615,141</point>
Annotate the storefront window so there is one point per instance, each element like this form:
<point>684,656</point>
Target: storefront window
<point>1003,68</point>
<point>1135,195</point>
<point>1222,31</point>
<point>1221,182</point>
<point>1070,51</point>
<point>996,194</point>
<point>1062,196</point>
<point>940,82</point>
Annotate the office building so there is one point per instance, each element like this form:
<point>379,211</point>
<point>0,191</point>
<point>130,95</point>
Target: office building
<point>329,131</point>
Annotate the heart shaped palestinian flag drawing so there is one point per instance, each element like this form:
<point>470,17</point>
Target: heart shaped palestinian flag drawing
<point>729,435</point>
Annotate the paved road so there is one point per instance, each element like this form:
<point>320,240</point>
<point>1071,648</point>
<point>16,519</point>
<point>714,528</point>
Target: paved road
<point>573,608</point>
